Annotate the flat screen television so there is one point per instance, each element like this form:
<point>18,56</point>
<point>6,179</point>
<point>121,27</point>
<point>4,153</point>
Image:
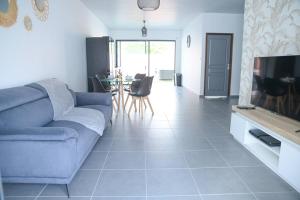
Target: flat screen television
<point>276,85</point>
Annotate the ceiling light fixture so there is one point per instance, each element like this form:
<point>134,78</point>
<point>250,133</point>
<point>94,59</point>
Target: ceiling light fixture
<point>144,29</point>
<point>148,5</point>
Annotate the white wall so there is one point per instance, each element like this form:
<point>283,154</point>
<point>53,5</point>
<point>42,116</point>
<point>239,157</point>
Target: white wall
<point>152,35</point>
<point>55,48</point>
<point>193,58</point>
<point>191,62</point>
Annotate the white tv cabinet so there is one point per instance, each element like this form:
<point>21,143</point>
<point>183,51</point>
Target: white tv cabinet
<point>283,160</point>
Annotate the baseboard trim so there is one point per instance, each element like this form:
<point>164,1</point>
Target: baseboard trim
<point>219,97</point>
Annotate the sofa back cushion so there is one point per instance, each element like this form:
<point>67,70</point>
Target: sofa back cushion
<point>43,90</point>
<point>24,107</point>
<point>12,97</point>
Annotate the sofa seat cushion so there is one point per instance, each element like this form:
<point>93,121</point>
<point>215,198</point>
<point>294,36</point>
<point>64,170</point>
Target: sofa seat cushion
<point>106,110</point>
<point>86,140</point>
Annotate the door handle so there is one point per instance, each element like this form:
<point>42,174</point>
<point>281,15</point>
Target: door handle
<point>228,67</point>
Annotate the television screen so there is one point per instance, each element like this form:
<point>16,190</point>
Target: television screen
<point>276,85</point>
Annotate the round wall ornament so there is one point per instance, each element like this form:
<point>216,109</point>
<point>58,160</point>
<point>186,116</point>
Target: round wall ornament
<point>27,23</point>
<point>41,9</point>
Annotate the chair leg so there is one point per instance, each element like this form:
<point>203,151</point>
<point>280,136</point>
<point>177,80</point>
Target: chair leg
<point>114,107</point>
<point>127,100</point>
<point>267,102</point>
<point>257,100</point>
<point>147,98</point>
<point>67,189</point>
<point>116,102</point>
<point>278,104</point>
<point>282,105</point>
<point>132,103</point>
<point>115,99</point>
<point>119,101</point>
<point>141,106</point>
<point>144,103</point>
<point>292,102</point>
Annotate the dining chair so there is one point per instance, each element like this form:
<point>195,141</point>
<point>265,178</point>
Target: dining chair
<point>105,84</point>
<point>142,94</point>
<point>134,86</point>
<point>275,91</point>
<point>98,86</point>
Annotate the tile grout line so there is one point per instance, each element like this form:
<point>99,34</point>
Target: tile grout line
<point>191,174</point>
<point>42,190</point>
<point>169,168</point>
<point>227,163</point>
<point>146,177</point>
<point>100,174</point>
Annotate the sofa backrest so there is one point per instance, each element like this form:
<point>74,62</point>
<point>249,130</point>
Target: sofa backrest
<point>25,106</point>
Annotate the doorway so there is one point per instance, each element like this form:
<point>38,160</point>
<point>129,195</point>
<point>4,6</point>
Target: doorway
<point>152,57</point>
<point>218,64</point>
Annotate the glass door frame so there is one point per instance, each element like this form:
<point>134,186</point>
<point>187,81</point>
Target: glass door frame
<point>147,51</point>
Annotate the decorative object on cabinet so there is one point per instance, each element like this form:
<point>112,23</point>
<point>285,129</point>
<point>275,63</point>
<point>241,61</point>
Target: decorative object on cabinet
<point>8,12</point>
<point>27,23</point>
<point>41,9</point>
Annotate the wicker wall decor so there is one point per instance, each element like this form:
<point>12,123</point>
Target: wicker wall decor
<point>9,17</point>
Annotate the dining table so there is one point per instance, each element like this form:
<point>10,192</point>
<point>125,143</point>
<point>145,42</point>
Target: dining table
<point>120,83</point>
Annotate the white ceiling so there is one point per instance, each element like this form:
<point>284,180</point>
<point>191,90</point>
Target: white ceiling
<point>172,14</point>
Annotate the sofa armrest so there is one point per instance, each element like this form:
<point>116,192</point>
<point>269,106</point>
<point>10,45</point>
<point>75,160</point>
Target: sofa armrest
<point>87,98</point>
<point>38,134</point>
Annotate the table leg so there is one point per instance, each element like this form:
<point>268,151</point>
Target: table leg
<point>123,104</point>
<point>119,100</point>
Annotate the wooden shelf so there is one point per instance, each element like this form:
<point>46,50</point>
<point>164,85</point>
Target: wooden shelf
<point>254,140</point>
<point>268,157</point>
<point>283,126</point>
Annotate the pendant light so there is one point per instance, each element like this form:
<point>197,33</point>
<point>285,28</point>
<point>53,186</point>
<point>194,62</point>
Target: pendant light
<point>148,5</point>
<point>144,29</point>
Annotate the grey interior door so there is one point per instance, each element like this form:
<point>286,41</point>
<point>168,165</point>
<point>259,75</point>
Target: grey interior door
<point>218,64</point>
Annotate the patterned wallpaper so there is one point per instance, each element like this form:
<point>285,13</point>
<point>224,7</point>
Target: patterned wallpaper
<point>271,28</point>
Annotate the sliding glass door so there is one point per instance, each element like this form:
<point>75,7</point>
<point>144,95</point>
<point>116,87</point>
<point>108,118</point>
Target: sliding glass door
<point>133,57</point>
<point>155,58</point>
<point>162,59</point>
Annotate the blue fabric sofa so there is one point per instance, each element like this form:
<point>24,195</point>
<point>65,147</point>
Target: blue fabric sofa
<point>36,149</point>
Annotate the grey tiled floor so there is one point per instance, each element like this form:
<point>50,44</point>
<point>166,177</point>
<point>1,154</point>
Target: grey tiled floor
<point>183,152</point>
